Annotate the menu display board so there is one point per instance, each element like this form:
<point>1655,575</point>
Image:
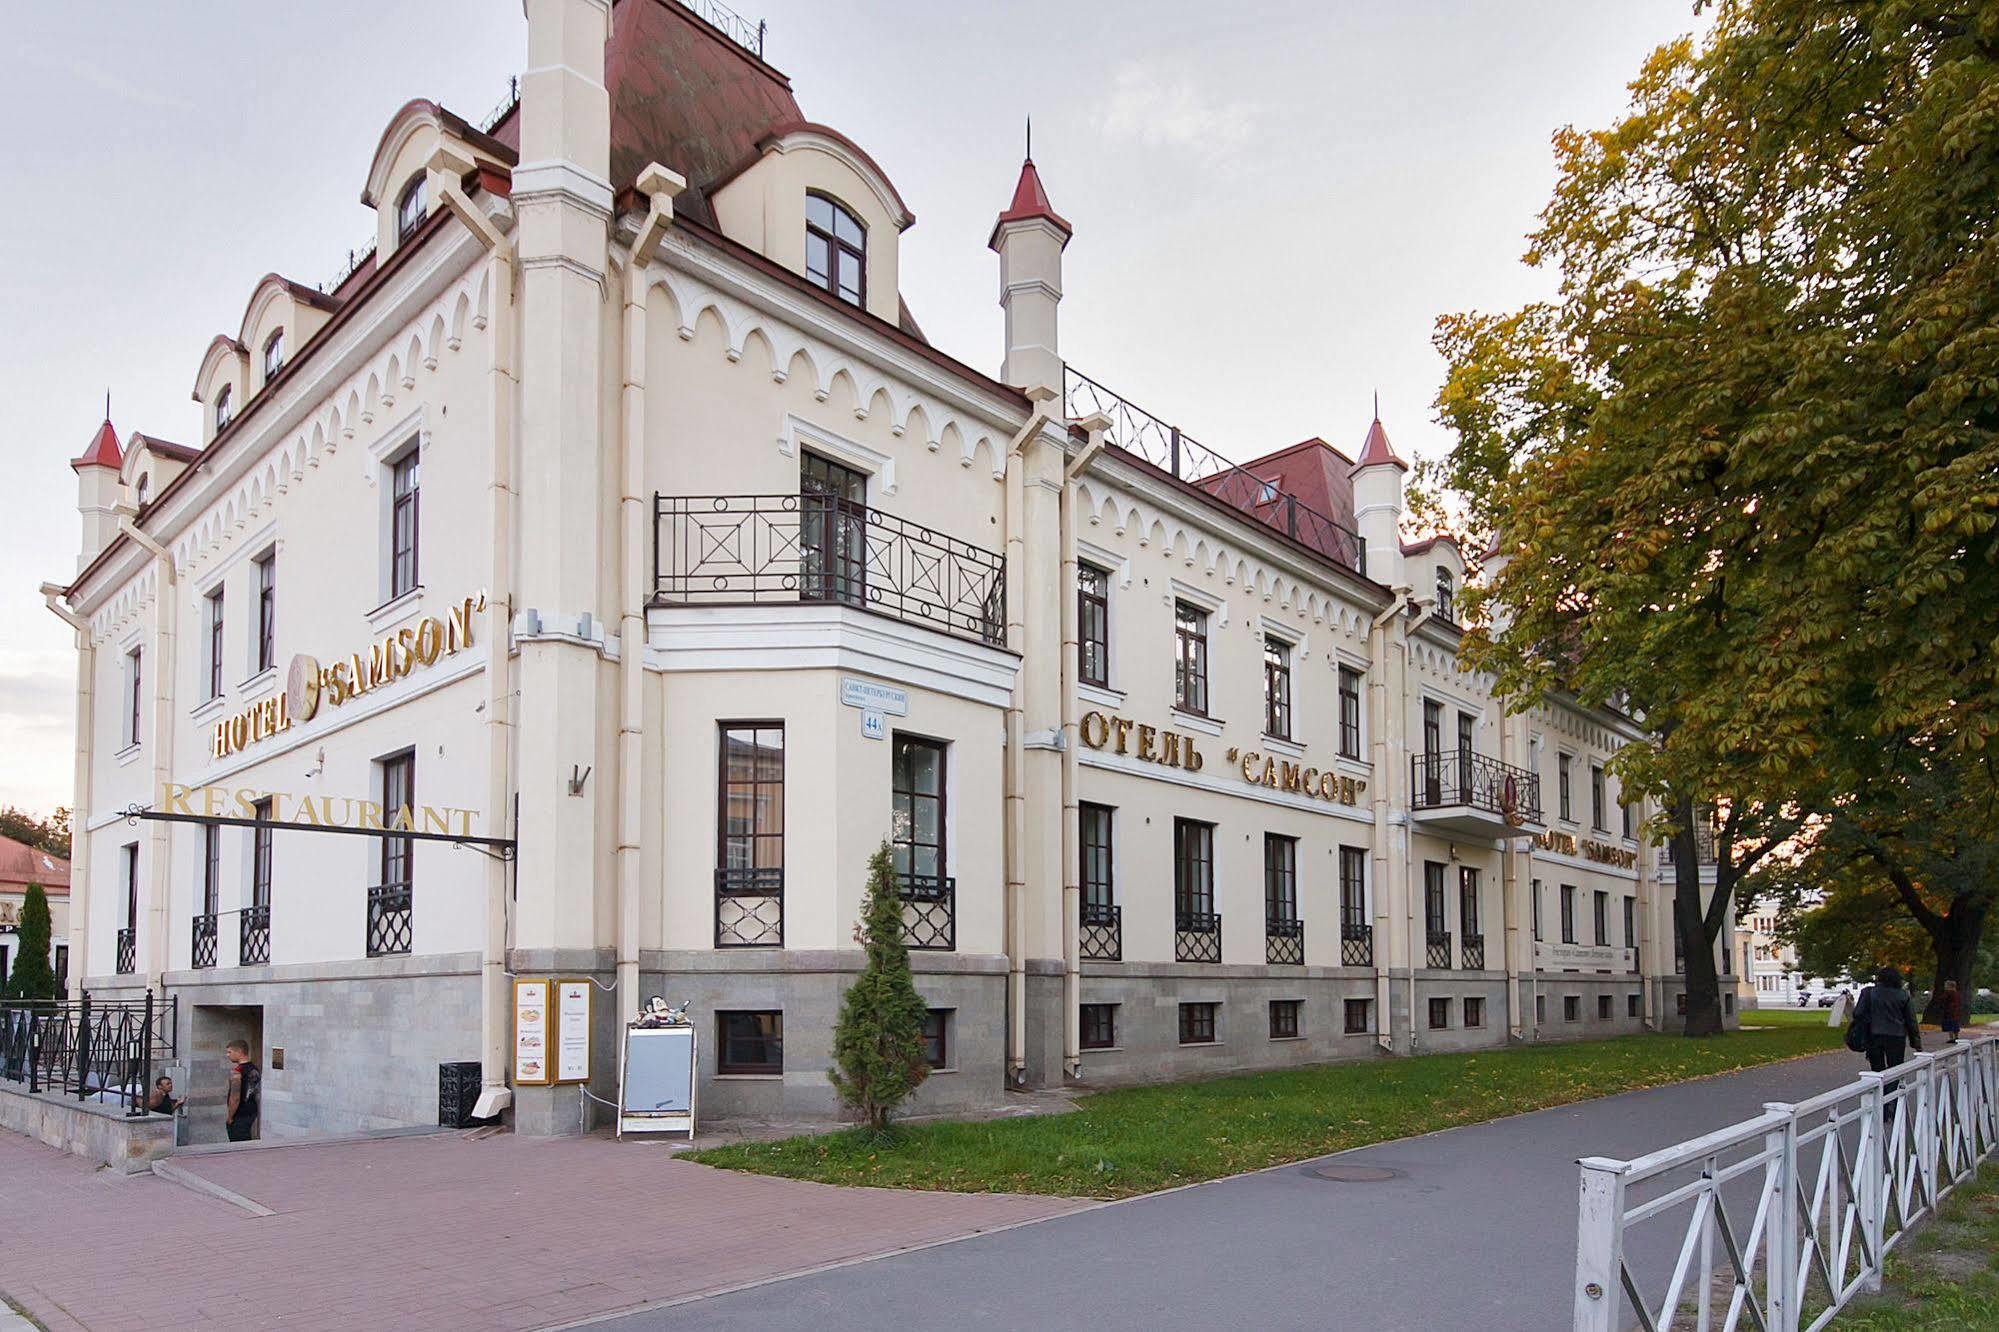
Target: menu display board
<point>572,1031</point>
<point>531,1032</point>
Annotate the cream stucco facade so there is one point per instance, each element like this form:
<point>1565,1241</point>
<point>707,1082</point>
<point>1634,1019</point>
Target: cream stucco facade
<point>698,499</point>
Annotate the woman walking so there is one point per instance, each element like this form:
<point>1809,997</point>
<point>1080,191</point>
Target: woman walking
<point>1886,1020</point>
<point>1950,1012</point>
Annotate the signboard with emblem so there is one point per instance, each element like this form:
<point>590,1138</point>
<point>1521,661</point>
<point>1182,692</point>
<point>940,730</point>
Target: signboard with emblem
<point>531,1033</point>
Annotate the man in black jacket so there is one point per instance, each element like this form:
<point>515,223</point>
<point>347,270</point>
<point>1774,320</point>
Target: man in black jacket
<point>1887,1018</point>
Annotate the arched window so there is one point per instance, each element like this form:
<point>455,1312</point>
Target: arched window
<point>225,409</point>
<point>1446,603</point>
<point>836,249</point>
<point>274,355</point>
<point>410,209</point>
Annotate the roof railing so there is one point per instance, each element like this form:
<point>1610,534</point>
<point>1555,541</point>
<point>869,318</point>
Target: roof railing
<point>507,104</point>
<point>749,36</point>
<point>1166,447</point>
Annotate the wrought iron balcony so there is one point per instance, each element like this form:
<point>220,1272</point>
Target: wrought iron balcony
<point>253,943</point>
<point>1102,932</point>
<point>1460,793</point>
<point>1197,936</point>
<point>749,907</point>
<point>1141,435</point>
<point>1356,944</point>
<point>128,951</point>
<point>930,912</point>
<point>1438,954</point>
<point>1284,942</point>
<point>1474,952</point>
<point>818,550</point>
<point>204,940</point>
<point>389,919</point>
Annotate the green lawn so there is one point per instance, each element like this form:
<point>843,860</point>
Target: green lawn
<point>1137,1140</point>
<point>1945,1277</point>
<point>1785,1017</point>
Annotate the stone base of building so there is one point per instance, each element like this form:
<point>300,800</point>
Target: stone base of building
<point>95,1131</point>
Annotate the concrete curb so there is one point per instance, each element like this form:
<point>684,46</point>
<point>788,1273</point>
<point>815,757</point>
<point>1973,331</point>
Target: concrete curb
<point>187,1179</point>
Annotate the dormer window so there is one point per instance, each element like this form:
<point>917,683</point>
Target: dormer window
<point>410,209</point>
<point>143,487</point>
<point>1446,602</point>
<point>274,355</point>
<point>836,249</point>
<point>225,408</point>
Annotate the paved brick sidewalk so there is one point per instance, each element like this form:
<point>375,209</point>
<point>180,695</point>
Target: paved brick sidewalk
<point>435,1232</point>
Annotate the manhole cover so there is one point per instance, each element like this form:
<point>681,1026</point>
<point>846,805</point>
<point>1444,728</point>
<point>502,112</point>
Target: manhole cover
<point>1354,1174</point>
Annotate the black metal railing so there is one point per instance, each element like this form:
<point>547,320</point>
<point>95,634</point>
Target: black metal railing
<point>89,1049</point>
<point>1705,851</point>
<point>253,936</point>
<point>1197,936</point>
<point>930,912</point>
<point>1356,944</point>
<point>818,550</point>
<point>749,907</point>
<point>1461,777</point>
<point>128,951</point>
<point>203,950</point>
<point>1474,952</point>
<point>389,925</point>
<point>504,107</point>
<point>749,36</point>
<point>1149,439</point>
<point>1438,956</point>
<point>1284,941</point>
<point>1103,932</point>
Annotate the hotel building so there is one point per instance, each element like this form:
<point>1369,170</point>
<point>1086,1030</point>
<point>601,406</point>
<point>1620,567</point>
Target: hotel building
<point>616,510</point>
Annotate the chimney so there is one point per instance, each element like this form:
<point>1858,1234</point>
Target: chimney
<point>98,491</point>
<point>1377,506</point>
<point>1029,238</point>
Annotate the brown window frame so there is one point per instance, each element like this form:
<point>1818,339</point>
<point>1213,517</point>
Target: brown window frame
<point>411,208</point>
<point>1286,1019</point>
<point>1093,626</point>
<point>1363,1023</point>
<point>1568,900</point>
<point>1440,1013</point>
<point>1099,1026</point>
<point>1572,1008</point>
<point>771,1041</point>
<point>211,869</point>
<point>1193,867</point>
<point>1564,784</point>
<point>274,343</point>
<point>1436,906</point>
<point>1597,803</point>
<point>1534,907</point>
<point>396,862</point>
<point>1280,877</point>
<point>1197,1018</point>
<point>1190,659</point>
<point>1474,1012</point>
<point>1470,922</point>
<point>838,249</point>
<point>1096,841</point>
<point>1633,1006</point>
<point>902,831</point>
<point>1276,687</point>
<point>131,858</point>
<point>1600,917</point>
<point>937,1038</point>
<point>225,407</point>
<point>135,674</point>
<point>1350,687</point>
<point>405,515</point>
<point>216,625</point>
<point>1630,921</point>
<point>1604,1011</point>
<point>267,610</point>
<point>1353,885</point>
<point>260,853</point>
<point>756,842</point>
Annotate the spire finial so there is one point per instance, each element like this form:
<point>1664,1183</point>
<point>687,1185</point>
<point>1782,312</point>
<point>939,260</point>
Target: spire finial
<point>1377,404</point>
<point>107,404</point>
<point>1030,138</point>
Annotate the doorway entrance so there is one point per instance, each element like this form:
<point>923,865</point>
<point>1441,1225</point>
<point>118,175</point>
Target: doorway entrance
<point>205,1082</point>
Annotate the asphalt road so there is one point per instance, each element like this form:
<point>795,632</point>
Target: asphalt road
<point>1475,1230</point>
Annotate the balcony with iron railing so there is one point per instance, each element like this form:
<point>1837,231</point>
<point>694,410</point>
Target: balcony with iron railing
<point>816,550</point>
<point>390,919</point>
<point>1437,950</point>
<point>1460,793</point>
<point>1356,944</point>
<point>1102,927</point>
<point>202,952</point>
<point>1284,941</point>
<point>749,907</point>
<point>1473,952</point>
<point>1138,434</point>
<point>253,937</point>
<point>930,912</point>
<point>128,951</point>
<point>1197,936</point>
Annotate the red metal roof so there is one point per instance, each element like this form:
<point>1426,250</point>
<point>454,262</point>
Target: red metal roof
<point>103,450</point>
<point>1030,201</point>
<point>1377,450</point>
<point>1316,473</point>
<point>21,865</point>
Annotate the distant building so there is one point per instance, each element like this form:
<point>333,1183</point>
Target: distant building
<point>21,865</point>
<point>1770,976</point>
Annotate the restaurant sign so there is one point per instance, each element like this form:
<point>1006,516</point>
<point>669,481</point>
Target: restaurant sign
<point>309,684</point>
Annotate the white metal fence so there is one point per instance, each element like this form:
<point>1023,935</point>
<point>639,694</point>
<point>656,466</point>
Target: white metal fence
<point>1777,1222</point>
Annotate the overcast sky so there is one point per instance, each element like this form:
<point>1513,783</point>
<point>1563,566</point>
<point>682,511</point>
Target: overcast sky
<point>1272,203</point>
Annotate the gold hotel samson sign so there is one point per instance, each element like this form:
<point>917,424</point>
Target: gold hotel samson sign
<point>1156,744</point>
<point>1603,853</point>
<point>309,684</point>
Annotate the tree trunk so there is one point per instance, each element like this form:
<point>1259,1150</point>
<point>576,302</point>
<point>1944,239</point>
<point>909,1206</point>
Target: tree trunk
<point>1954,944</point>
<point>1690,920</point>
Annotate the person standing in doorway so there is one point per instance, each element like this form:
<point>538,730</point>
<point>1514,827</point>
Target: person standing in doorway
<point>246,1092</point>
<point>1950,1012</point>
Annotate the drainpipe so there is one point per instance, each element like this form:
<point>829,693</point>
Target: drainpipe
<point>1096,425</point>
<point>448,168</point>
<point>79,819</point>
<point>1384,779</point>
<point>660,185</point>
<point>1418,943</point>
<point>166,610</point>
<point>1016,758</point>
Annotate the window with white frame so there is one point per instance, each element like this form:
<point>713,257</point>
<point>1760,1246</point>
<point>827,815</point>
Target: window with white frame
<point>213,650</point>
<point>266,654</point>
<point>405,492</point>
<point>274,354</point>
<point>135,695</point>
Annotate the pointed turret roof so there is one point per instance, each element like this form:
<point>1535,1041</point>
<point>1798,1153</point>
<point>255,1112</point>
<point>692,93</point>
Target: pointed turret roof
<point>1030,201</point>
<point>1376,450</point>
<point>103,450</point>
